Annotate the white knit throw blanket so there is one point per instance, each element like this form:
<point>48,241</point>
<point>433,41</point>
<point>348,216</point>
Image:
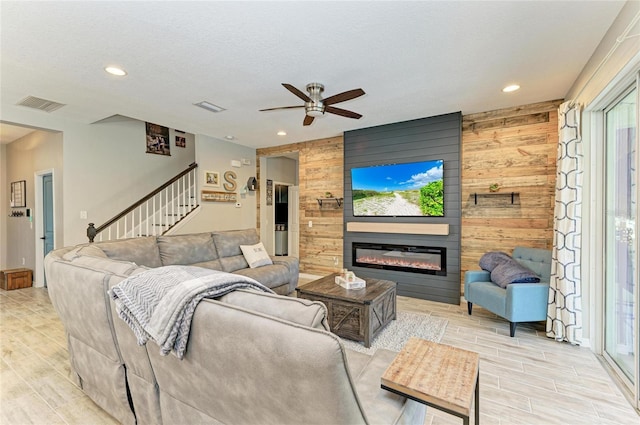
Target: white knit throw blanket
<point>158,304</point>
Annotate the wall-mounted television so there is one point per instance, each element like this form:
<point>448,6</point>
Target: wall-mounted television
<point>397,190</point>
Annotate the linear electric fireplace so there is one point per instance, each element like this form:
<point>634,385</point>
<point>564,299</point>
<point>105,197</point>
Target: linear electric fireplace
<point>406,258</point>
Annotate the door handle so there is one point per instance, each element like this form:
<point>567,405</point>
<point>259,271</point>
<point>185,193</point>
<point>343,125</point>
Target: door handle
<point>43,238</point>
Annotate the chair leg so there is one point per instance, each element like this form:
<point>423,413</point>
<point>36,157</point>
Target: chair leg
<point>512,328</point>
<point>469,307</point>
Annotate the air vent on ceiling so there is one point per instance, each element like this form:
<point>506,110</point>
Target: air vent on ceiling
<point>41,104</point>
<point>210,106</point>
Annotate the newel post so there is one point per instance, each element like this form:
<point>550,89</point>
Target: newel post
<point>91,232</point>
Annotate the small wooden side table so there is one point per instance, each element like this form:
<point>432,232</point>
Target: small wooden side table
<point>437,375</point>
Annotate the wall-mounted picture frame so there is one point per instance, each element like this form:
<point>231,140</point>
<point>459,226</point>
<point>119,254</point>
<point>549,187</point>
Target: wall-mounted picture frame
<point>158,139</point>
<point>181,141</point>
<point>269,192</point>
<point>18,194</point>
<point>212,178</point>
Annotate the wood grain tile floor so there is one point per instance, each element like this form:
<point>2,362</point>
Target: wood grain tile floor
<point>528,379</point>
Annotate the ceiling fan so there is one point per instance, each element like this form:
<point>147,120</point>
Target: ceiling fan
<point>316,106</point>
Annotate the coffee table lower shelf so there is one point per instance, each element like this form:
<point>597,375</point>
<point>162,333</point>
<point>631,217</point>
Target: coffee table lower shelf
<point>438,375</point>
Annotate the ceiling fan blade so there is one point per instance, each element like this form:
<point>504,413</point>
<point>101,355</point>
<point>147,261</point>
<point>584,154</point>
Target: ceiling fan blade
<point>297,92</point>
<point>282,107</point>
<point>342,112</point>
<point>307,120</point>
<point>344,96</point>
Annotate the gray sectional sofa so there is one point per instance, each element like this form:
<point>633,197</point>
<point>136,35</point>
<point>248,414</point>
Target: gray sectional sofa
<point>251,358</point>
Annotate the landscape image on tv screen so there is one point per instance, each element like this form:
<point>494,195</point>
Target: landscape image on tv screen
<point>412,189</point>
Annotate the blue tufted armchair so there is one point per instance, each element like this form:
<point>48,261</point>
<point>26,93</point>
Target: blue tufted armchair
<point>518,302</point>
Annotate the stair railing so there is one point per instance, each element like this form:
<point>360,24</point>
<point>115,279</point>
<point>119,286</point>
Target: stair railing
<point>154,214</point>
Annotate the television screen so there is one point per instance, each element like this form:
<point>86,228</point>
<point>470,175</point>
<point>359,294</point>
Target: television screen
<point>412,189</point>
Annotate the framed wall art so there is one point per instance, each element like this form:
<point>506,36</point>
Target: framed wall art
<point>212,178</point>
<point>158,139</point>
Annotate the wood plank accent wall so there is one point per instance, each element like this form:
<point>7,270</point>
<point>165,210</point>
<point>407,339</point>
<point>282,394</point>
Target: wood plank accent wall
<point>321,169</point>
<point>516,148</point>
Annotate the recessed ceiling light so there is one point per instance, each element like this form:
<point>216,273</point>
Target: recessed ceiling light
<point>229,137</point>
<point>281,133</point>
<point>512,87</point>
<point>114,70</point>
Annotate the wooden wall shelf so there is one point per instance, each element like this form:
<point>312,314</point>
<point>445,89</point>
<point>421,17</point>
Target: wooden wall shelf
<point>338,201</point>
<point>512,194</point>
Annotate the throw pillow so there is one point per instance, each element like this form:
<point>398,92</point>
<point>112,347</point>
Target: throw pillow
<point>505,270</point>
<point>256,255</point>
<point>491,260</point>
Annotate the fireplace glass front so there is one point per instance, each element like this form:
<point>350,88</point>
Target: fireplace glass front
<point>406,258</point>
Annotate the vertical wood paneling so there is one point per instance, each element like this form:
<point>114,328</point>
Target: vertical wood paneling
<point>321,169</point>
<point>516,148</point>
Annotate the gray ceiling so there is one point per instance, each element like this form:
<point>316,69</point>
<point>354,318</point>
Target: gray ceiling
<point>413,59</point>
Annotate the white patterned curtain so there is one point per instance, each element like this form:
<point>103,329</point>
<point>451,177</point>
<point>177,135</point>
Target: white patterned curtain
<point>564,316</point>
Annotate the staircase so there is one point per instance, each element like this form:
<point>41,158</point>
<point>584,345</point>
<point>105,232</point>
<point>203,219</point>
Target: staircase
<point>155,214</point>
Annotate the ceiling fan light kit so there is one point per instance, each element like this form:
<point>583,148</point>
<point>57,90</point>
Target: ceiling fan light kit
<point>316,106</point>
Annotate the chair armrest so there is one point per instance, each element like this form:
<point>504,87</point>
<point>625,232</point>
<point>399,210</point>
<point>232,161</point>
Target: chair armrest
<point>475,276</point>
<point>527,302</point>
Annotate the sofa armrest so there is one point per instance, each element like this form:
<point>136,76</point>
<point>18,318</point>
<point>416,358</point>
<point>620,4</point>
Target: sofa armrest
<point>527,302</point>
<point>292,264</point>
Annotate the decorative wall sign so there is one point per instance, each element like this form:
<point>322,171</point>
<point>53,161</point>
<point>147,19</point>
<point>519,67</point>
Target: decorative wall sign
<point>158,139</point>
<point>212,178</point>
<point>181,141</point>
<point>18,194</point>
<point>213,196</point>
<point>269,192</point>
<point>230,181</point>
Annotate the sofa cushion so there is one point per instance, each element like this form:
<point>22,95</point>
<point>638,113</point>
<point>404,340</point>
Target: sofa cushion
<point>297,310</point>
<point>270,276</point>
<point>228,242</point>
<point>186,249</point>
<point>213,265</point>
<point>87,249</point>
<point>124,268</point>
<point>143,251</point>
<point>256,255</point>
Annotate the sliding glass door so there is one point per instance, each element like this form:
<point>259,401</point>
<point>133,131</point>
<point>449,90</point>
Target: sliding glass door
<point>621,239</point>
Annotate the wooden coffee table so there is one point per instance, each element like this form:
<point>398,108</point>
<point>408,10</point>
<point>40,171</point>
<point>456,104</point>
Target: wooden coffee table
<point>437,375</point>
<point>356,314</point>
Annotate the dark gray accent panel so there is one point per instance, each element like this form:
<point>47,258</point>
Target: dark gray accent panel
<point>424,139</point>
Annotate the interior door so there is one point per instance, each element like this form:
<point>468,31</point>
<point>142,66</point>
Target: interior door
<point>294,221</point>
<point>47,207</point>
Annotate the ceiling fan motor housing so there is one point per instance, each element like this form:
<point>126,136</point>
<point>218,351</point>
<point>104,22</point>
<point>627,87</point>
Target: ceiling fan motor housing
<point>315,108</point>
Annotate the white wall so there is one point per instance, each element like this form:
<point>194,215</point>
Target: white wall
<point>105,165</point>
<point>107,169</point>
<point>4,206</point>
<point>216,155</point>
<point>37,151</point>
